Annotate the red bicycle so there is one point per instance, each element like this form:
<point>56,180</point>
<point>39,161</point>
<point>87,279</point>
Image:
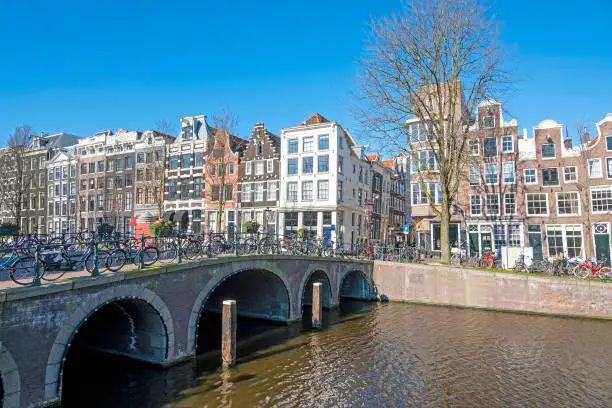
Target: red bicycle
<point>588,268</point>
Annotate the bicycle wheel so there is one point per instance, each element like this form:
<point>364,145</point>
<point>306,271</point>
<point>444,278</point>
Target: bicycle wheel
<point>581,271</point>
<point>605,272</point>
<point>167,252</point>
<point>455,259</point>
<point>150,255</point>
<point>116,260</point>
<point>102,261</point>
<point>191,250</point>
<point>22,270</point>
<point>51,275</point>
<point>265,247</point>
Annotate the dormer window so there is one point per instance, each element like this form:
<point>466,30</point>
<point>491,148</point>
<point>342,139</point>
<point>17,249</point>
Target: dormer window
<point>488,121</point>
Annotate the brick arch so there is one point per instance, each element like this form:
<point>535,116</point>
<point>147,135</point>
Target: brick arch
<point>350,271</point>
<point>53,378</point>
<point>11,381</point>
<point>302,288</point>
<point>233,269</point>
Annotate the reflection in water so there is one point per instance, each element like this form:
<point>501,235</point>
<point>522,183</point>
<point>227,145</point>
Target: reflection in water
<point>392,355</point>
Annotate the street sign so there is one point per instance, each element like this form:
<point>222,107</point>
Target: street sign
<point>406,229</point>
<point>409,219</point>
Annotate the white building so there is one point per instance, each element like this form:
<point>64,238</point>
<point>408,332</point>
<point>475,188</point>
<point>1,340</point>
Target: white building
<point>323,182</point>
<point>62,192</point>
<point>183,201</point>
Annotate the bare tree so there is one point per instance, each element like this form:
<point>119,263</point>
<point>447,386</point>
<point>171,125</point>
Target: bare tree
<point>225,120</point>
<point>15,172</point>
<point>166,127</point>
<point>433,62</point>
<point>583,185</point>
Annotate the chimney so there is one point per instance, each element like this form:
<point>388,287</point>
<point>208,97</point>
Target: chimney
<point>568,143</point>
<point>259,125</point>
<point>525,133</point>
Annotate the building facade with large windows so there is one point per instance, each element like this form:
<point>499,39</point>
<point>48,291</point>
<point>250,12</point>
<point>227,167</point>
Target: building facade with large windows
<point>323,177</point>
<point>62,214</point>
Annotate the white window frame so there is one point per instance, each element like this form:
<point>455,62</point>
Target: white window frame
<point>259,164</point>
<point>487,165</point>
<point>472,213</point>
<point>272,191</point>
<point>289,144</point>
<point>504,164</point>
<point>513,194</point>
<point>608,161</point>
<point>565,180</point>
<point>599,188</point>
<point>598,160</point>
<point>270,166</point>
<point>577,203</point>
<point>558,178</point>
<point>311,184</point>
<point>470,143</point>
<point>247,168</point>
<point>486,206</point>
<point>471,173</point>
<point>511,144</point>
<point>258,195</point>
<point>527,205</point>
<point>290,190</point>
<point>606,137</point>
<point>310,141</point>
<point>535,175</point>
<point>319,190</point>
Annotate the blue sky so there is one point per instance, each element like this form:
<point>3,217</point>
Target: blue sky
<point>86,66</point>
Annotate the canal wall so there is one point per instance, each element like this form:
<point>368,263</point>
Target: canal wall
<point>450,286</point>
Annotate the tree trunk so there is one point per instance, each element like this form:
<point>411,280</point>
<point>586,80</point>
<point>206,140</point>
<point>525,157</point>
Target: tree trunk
<point>444,232</point>
<point>219,214</point>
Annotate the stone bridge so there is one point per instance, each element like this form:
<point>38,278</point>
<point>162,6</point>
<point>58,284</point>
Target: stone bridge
<point>152,315</point>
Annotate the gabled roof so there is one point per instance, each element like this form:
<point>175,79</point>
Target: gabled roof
<point>388,163</point>
<point>371,157</point>
<point>315,119</point>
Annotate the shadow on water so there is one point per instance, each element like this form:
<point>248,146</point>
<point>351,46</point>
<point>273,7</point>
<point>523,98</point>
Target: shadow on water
<point>94,379</point>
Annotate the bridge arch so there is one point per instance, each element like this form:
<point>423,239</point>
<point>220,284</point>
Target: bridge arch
<point>234,270</point>
<point>305,295</point>
<point>143,310</point>
<point>10,382</point>
<point>354,284</point>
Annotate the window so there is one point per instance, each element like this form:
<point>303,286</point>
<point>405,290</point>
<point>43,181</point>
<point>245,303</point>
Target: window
<point>510,203</point>
<point>609,143</point>
<point>340,192</point>
<point>228,192</point>
<point>417,132</point>
<point>129,200</point>
<point>530,176</point>
<point>548,151</point>
<point>259,168</point>
<point>595,168</point>
<point>609,167</point>
<point>259,148</point>
<point>475,205</point>
<point>307,144</point>
<point>119,164</point>
<point>159,155</point>
<point>507,144</point>
<point>172,188</point>
<point>213,169</point>
<point>140,158</point>
<point>570,174</point>
<point>173,162</point>
<point>491,175</point>
<point>508,172</point>
<point>323,163</point>
<point>272,188</point>
<point>259,191</point>
<point>601,199</point>
<point>293,146</point>
<point>247,167</point>
<point>492,204</point>
<point>425,160</point>
<point>129,160</point>
<point>214,192</point>
<point>139,196</point>
<point>110,165</point>
<point>419,195</point>
<point>100,166</point>
<point>231,168</point>
<point>245,193</point>
<point>198,161</point>
<point>567,203</point>
<point>92,169</point>
<point>490,147</point>
<point>128,180</point>
<point>550,177</point>
<point>537,204</point>
<point>270,166</point>
<point>474,147</point>
<point>488,121</point>
<point>197,187</point>
<point>185,161</point>
<point>306,190</point>
<point>72,170</point>
<point>564,239</point>
<point>307,164</point>
<point>292,166</point>
<point>323,190</point>
<point>292,188</point>
<point>340,165</point>
<point>323,142</point>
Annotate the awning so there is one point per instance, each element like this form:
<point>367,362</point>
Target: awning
<point>168,215</point>
<point>181,215</point>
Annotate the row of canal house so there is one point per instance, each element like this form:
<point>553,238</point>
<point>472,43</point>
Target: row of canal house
<point>543,194</point>
<point>312,176</point>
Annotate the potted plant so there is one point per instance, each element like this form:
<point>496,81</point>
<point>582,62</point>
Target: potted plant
<point>302,233</point>
<point>161,228</point>
<point>251,226</point>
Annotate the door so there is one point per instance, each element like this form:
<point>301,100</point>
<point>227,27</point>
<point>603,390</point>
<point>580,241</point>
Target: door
<point>486,241</point>
<point>474,242</point>
<point>326,236</point>
<point>535,241</point>
<point>601,234</point>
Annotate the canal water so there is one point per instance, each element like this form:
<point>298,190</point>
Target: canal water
<point>375,355</point>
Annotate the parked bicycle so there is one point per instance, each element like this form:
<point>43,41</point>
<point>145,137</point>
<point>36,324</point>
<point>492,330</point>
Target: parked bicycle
<point>589,269</point>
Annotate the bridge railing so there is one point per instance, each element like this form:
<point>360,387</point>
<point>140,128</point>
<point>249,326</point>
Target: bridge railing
<point>28,260</point>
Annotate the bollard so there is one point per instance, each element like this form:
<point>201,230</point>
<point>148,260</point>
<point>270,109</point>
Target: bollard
<point>95,271</point>
<point>179,258</point>
<point>36,281</point>
<point>317,305</point>
<point>228,333</point>
<point>141,251</point>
